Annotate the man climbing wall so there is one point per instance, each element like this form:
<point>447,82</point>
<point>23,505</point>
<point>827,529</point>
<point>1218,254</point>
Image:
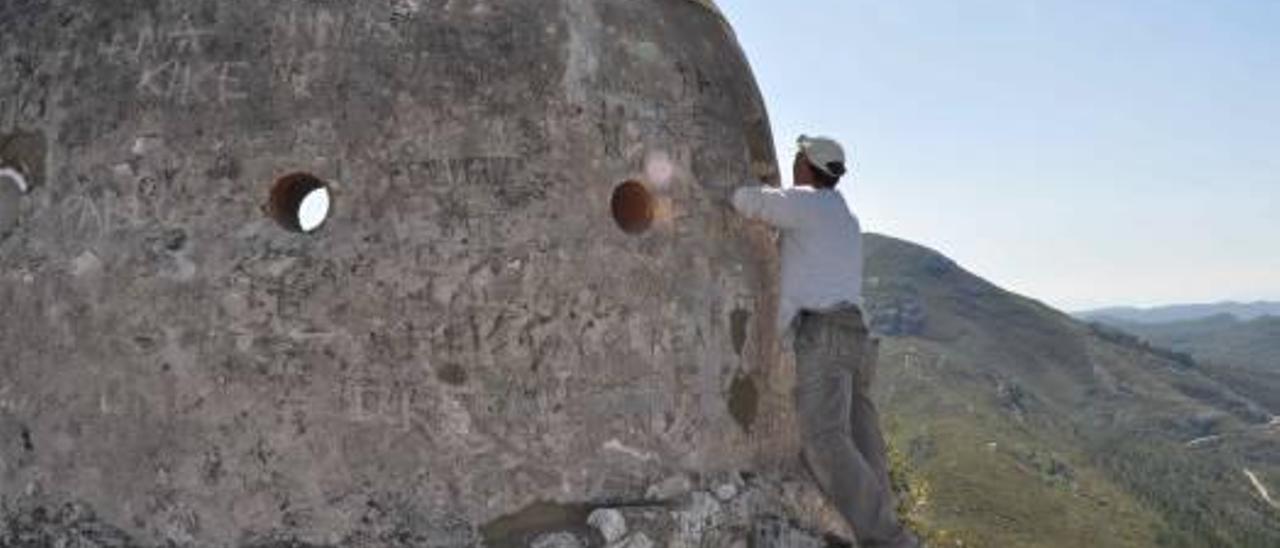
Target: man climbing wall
<point>821,308</point>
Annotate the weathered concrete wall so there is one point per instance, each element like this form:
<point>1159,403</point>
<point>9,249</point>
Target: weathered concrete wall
<point>469,333</point>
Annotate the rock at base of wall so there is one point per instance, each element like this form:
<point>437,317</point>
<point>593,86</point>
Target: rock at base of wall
<point>730,512</point>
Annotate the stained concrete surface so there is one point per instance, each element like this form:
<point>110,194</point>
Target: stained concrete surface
<point>469,333</point>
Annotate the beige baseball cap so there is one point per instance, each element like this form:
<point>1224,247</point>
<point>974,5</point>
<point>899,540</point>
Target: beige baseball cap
<point>823,153</point>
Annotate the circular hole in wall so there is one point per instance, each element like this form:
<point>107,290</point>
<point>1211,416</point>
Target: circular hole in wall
<point>12,186</point>
<point>633,207</point>
<point>300,202</point>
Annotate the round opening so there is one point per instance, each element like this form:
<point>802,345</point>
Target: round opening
<point>300,202</point>
<point>9,197</point>
<point>633,207</point>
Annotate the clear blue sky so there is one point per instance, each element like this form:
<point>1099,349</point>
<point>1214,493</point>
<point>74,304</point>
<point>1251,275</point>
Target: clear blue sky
<point>1084,153</point>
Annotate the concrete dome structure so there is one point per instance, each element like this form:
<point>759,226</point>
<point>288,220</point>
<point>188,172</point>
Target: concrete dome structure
<point>483,314</point>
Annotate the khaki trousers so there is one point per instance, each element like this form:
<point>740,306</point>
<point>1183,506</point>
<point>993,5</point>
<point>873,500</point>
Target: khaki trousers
<point>843,447</point>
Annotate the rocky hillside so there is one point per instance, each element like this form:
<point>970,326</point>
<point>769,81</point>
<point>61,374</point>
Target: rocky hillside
<point>1016,425</point>
<point>1243,354</point>
<point>1222,339</point>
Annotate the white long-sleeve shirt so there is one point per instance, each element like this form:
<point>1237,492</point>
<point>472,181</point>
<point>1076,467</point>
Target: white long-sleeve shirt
<point>821,245</point>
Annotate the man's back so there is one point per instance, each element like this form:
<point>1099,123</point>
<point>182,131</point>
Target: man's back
<point>821,245</point>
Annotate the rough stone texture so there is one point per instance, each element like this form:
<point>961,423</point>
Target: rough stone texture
<point>776,533</point>
<point>726,491</point>
<point>557,540</point>
<point>609,522</point>
<point>468,334</point>
<point>638,540</point>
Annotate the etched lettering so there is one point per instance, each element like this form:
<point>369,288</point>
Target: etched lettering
<point>229,83</point>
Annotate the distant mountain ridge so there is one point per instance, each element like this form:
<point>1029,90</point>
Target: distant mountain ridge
<point>1182,312</point>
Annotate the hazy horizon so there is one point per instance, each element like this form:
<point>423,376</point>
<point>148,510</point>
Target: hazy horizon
<point>1206,303</point>
<point>1083,154</point>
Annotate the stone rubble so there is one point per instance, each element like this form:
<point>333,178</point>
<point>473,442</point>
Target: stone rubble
<point>729,514</point>
<point>610,523</point>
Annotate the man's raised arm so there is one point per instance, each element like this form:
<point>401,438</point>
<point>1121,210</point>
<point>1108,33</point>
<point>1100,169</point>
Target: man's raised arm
<point>769,204</point>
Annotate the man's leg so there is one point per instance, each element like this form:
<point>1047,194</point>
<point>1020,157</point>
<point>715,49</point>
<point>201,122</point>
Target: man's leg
<point>865,422</point>
<point>824,394</point>
<point>864,419</point>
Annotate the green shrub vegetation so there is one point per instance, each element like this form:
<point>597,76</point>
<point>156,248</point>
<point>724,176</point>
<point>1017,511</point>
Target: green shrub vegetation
<point>1011,424</point>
